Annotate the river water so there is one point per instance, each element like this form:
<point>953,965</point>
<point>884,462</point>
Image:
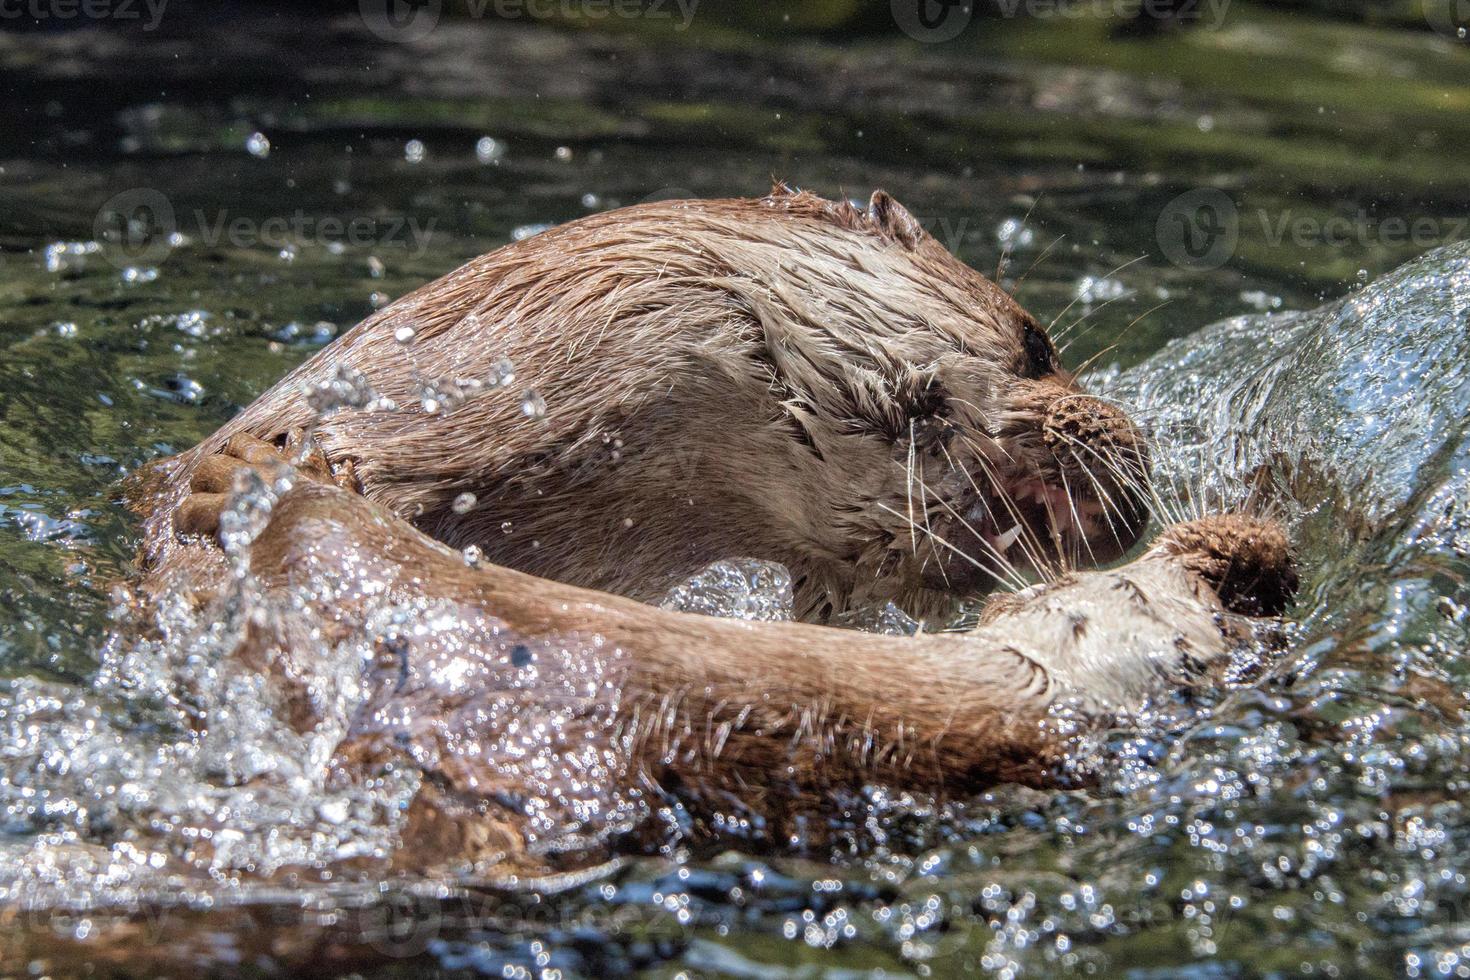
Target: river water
<point>1308,825</point>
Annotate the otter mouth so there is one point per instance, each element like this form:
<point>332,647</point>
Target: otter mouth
<point>1029,527</point>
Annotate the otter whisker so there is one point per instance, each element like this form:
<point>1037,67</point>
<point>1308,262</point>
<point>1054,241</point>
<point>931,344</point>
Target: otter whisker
<point>924,509</point>
<point>1105,497</point>
<point>909,490</point>
<point>999,555</point>
<point>995,491</point>
<point>1062,348</point>
<point>1005,253</point>
<point>998,552</point>
<point>1078,299</point>
<point>1044,253</point>
<point>989,427</point>
<point>1077,523</point>
<point>1116,341</point>
<point>1127,478</point>
<point>959,551</point>
<point>1030,544</point>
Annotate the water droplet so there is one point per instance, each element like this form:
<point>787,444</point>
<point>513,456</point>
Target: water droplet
<point>522,232</point>
<point>488,149</point>
<point>627,522</point>
<point>590,201</point>
<point>333,811</point>
<point>505,372</point>
<point>375,267</point>
<point>258,146</point>
<point>405,334</point>
<point>506,527</point>
<point>464,503</point>
<point>414,151</point>
<point>533,406</point>
<point>563,153</point>
<point>473,555</point>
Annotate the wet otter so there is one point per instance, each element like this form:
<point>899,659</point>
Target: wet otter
<point>554,726</point>
<point>785,378</point>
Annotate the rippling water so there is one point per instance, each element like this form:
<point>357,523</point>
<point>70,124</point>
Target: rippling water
<point>1311,824</point>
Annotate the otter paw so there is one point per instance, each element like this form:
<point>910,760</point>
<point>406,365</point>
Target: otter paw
<point>216,477</point>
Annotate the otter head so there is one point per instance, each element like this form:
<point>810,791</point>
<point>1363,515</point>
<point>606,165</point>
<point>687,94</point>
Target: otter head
<point>952,449</point>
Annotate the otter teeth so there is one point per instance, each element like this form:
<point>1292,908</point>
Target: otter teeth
<point>1003,542</point>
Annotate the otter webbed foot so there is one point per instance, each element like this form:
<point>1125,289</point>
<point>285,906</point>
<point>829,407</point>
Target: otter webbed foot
<point>216,477</point>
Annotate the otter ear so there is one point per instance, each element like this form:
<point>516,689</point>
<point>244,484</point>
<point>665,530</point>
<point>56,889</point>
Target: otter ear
<point>894,220</point>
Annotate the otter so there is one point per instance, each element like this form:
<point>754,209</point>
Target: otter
<point>555,727</point>
<point>619,401</point>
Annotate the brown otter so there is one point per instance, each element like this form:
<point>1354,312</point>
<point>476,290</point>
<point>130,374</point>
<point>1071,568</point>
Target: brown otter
<point>786,378</point>
<point>553,725</point>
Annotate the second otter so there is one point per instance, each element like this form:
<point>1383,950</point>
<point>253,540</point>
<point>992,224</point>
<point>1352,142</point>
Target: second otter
<point>785,378</point>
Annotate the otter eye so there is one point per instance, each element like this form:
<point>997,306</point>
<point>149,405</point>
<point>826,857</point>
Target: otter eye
<point>1040,359</point>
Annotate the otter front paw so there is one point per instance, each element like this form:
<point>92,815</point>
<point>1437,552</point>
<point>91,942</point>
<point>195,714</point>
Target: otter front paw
<point>217,477</point>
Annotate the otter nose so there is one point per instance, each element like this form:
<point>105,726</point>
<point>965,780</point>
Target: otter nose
<point>1104,451</point>
<point>1092,422</point>
<point>1247,560</point>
